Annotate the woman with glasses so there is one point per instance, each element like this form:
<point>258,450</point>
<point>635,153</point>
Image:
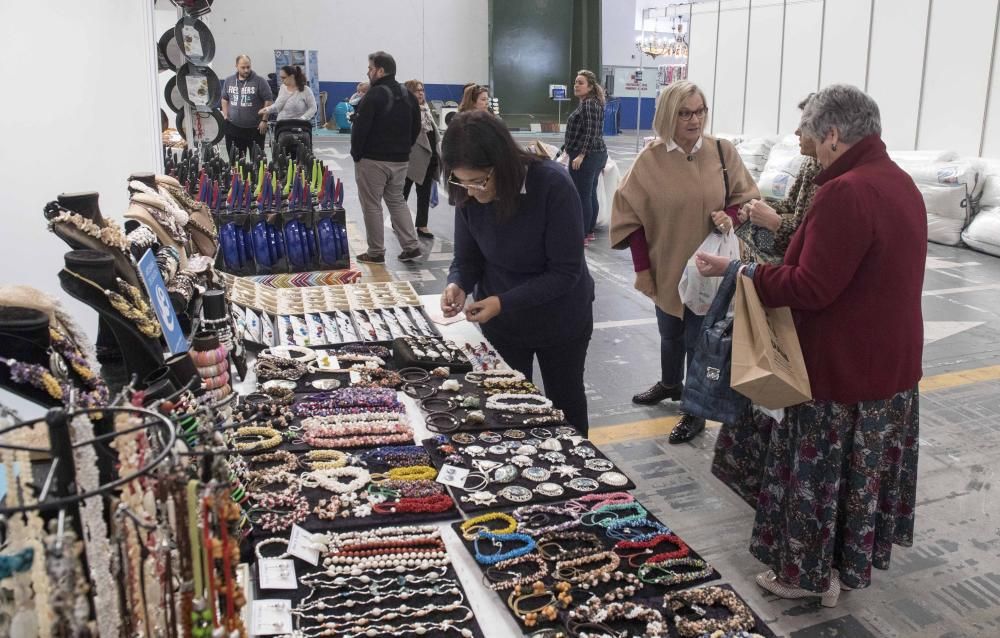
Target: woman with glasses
<point>682,186</point>
<point>518,225</point>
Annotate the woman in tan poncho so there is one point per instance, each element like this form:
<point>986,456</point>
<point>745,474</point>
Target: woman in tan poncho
<point>672,198</point>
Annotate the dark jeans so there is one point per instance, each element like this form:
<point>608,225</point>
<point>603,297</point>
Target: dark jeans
<point>678,338</point>
<point>585,180</point>
<point>423,195</point>
<point>243,138</point>
<point>562,373</point>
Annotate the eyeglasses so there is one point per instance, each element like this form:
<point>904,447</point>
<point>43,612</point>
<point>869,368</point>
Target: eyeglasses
<point>474,185</point>
<point>686,115</point>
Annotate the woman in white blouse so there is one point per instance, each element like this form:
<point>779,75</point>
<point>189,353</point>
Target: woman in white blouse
<point>295,99</point>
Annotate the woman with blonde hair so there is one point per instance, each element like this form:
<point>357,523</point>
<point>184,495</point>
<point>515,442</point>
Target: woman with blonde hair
<point>476,97</point>
<point>682,186</point>
<point>585,145</point>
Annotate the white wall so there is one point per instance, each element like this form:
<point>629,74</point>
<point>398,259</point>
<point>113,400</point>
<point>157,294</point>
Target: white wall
<point>438,41</point>
<point>926,62</point>
<point>96,123</point>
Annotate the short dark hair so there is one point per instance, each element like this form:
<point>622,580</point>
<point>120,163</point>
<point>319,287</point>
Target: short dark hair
<point>480,140</point>
<point>295,72</point>
<point>384,61</point>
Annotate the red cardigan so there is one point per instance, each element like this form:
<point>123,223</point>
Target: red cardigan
<point>853,276</point>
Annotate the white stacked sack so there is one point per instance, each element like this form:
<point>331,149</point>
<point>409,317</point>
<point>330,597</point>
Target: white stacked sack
<point>983,233</point>
<point>782,167</point>
<point>950,186</point>
<point>754,153</point>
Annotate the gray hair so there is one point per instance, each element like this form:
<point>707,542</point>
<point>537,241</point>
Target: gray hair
<point>846,108</point>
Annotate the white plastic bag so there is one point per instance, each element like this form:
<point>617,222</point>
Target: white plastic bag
<point>697,292</point>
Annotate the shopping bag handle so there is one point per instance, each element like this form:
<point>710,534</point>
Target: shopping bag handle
<point>724,296</point>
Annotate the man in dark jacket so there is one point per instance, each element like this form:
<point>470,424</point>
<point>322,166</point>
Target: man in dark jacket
<point>386,125</point>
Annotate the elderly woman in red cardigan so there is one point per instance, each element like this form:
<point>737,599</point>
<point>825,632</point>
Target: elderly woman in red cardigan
<point>840,479</point>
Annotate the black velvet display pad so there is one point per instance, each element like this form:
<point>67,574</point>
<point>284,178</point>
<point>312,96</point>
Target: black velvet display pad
<point>296,595</point>
<point>495,419</point>
<point>438,459</point>
<point>650,594</point>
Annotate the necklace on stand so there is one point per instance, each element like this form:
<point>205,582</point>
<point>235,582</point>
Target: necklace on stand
<point>129,303</point>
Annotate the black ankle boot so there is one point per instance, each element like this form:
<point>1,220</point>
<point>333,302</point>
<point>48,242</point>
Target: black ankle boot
<point>659,392</point>
<point>687,429</point>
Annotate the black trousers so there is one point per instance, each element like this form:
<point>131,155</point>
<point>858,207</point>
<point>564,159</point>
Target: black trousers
<point>562,369</point>
<point>423,195</point>
<point>243,138</point>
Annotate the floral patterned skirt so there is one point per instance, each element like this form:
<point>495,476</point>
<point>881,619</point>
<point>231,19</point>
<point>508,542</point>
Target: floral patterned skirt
<point>740,453</point>
<point>838,489</point>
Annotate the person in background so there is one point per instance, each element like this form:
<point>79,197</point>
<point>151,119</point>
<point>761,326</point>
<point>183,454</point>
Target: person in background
<point>295,100</point>
<point>385,128</point>
<point>518,251</point>
<point>840,478</point>
<point>741,447</point>
<point>359,93</point>
<point>425,165</point>
<point>663,210</point>
<point>244,94</point>
<point>475,98</point>
<point>585,145</point>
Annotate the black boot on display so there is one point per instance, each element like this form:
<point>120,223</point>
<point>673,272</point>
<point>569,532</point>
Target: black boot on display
<point>659,392</point>
<point>687,429</point>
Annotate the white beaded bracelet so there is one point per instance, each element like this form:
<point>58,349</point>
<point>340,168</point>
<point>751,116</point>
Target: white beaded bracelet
<point>271,541</point>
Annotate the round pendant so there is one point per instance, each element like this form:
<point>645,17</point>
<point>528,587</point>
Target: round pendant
<point>536,474</point>
<point>475,450</point>
<point>551,444</point>
<point>489,437</point>
<point>527,450</point>
<point>325,384</point>
<point>463,438</point>
<point>584,484</point>
<point>515,493</point>
<point>281,384</point>
<point>505,474</point>
<point>549,489</point>
<point>513,433</point>
<point>499,450</point>
<point>554,457</point>
<point>583,452</point>
<point>616,479</point>
<point>599,465</point>
<point>522,461</point>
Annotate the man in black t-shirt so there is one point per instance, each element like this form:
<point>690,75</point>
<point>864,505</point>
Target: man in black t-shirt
<point>244,94</point>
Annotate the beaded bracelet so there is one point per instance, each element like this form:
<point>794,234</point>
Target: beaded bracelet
<point>412,473</point>
<point>213,370</point>
<point>552,539</point>
<point>271,541</point>
<point>528,403</point>
<point>741,618</point>
<point>270,438</point>
<point>429,504</point>
<point>635,530</point>
<point>568,569</point>
<point>526,515</point>
<point>541,571</point>
<point>609,514</point>
<point>274,519</point>
<point>558,597</point>
<point>288,462</point>
<point>357,441</point>
<point>662,573</point>
<point>214,383</point>
<point>471,528</point>
<point>206,358</point>
<point>599,613</point>
<point>497,540</point>
<point>590,502</point>
<point>325,459</point>
<point>648,545</point>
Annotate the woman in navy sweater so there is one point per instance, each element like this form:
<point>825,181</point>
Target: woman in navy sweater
<point>519,251</point>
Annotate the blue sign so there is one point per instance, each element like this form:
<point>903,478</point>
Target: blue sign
<point>158,297</point>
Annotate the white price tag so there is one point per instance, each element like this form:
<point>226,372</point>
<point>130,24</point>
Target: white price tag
<point>299,546</point>
<point>277,573</point>
<point>453,476</point>
<point>355,377</point>
<point>271,617</point>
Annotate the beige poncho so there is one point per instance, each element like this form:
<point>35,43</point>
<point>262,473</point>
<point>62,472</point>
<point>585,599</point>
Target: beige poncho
<point>671,199</point>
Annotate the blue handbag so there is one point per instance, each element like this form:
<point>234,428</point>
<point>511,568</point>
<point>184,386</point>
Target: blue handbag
<point>707,392</point>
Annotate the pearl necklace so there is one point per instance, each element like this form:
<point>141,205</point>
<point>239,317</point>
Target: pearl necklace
<point>329,479</point>
<point>526,403</point>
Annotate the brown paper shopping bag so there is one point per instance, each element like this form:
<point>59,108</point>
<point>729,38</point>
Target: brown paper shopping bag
<point>767,367</point>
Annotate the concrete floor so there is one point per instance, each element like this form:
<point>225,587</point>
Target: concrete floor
<point>947,585</point>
